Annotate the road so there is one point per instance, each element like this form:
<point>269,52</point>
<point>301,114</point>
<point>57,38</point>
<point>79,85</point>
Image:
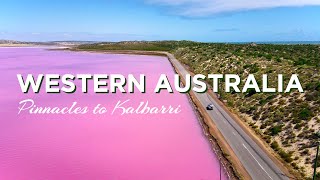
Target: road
<point>253,158</point>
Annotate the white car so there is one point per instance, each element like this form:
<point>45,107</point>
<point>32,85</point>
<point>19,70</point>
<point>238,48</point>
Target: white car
<point>210,107</point>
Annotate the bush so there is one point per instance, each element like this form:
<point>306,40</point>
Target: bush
<point>275,130</point>
<point>251,92</point>
<point>285,156</point>
<point>305,114</point>
<point>300,61</point>
<point>305,152</point>
<point>268,56</point>
<point>275,145</point>
<point>262,101</point>
<point>253,68</point>
<point>294,165</point>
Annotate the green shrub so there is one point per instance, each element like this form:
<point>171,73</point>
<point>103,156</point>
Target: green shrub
<point>275,145</point>
<point>305,114</point>
<point>285,156</point>
<point>275,130</point>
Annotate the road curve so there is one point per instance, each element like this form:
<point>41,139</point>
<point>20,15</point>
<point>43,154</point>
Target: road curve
<point>253,158</point>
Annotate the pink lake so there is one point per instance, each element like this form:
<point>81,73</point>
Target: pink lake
<point>115,147</point>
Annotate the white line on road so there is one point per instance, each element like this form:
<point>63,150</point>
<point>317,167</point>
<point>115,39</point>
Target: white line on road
<point>233,133</point>
<point>257,161</point>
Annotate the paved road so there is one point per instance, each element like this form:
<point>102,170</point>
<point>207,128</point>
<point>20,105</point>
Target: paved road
<point>253,158</point>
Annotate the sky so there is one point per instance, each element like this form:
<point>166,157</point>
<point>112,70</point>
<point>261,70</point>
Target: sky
<point>197,20</point>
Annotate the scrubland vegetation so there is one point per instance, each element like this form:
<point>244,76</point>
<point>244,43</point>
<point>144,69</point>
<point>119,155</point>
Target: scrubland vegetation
<point>288,122</point>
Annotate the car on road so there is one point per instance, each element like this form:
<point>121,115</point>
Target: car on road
<point>210,107</point>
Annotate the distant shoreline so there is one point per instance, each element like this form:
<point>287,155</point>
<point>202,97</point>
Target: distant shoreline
<point>76,43</point>
<point>16,45</point>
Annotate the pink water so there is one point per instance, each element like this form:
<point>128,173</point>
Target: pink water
<point>34,147</point>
